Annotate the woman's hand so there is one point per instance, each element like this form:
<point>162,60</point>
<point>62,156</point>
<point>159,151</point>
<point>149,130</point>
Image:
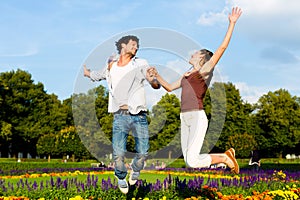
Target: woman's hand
<point>235,14</point>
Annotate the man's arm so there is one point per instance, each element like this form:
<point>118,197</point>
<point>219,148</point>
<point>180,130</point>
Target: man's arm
<point>94,75</point>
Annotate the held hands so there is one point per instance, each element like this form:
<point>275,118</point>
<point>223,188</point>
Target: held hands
<point>151,73</point>
<point>151,76</point>
<point>235,14</point>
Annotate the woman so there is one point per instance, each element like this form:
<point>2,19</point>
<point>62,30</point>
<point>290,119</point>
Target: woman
<point>194,122</point>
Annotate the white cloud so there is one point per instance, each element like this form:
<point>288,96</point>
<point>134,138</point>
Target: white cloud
<point>251,94</point>
<point>270,21</point>
<point>212,18</point>
<point>177,66</point>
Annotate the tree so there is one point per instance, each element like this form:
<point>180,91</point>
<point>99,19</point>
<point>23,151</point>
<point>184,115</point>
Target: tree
<point>278,115</point>
<point>215,109</point>
<point>46,145</point>
<point>228,106</point>
<point>67,109</point>
<point>67,142</point>
<point>164,127</point>
<point>92,121</point>
<point>28,110</point>
<point>243,143</point>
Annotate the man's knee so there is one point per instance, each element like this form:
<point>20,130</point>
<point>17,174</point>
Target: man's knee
<point>142,157</point>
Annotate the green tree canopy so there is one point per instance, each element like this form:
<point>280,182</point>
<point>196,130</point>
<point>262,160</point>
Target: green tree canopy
<point>164,127</point>
<point>237,120</point>
<point>278,116</point>
<point>92,121</point>
<point>27,112</point>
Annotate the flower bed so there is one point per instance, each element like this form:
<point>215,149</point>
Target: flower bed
<point>177,184</point>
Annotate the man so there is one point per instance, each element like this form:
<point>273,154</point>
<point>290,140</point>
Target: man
<point>125,77</point>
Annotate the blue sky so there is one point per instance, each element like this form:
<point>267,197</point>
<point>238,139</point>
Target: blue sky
<point>52,39</point>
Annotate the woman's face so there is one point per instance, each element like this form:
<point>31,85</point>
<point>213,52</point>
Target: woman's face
<point>196,57</point>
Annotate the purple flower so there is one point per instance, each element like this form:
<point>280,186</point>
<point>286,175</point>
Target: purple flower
<point>65,184</point>
<point>35,185</point>
<point>41,185</point>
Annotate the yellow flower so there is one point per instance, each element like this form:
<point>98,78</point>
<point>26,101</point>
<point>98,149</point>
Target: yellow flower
<point>76,198</point>
<point>284,194</point>
<point>287,186</point>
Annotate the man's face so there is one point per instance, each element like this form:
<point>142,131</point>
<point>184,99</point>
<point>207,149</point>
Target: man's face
<point>131,47</point>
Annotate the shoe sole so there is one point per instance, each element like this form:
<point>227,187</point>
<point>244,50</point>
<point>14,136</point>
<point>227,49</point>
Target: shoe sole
<point>131,182</point>
<point>123,190</point>
<point>232,151</point>
<point>231,155</point>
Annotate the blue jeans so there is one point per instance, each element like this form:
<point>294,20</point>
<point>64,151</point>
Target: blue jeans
<point>122,124</point>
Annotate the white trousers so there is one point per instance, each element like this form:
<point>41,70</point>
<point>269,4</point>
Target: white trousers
<point>193,129</point>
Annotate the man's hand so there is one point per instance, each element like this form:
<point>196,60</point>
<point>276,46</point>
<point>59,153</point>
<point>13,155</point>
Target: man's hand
<point>86,72</point>
<point>151,77</point>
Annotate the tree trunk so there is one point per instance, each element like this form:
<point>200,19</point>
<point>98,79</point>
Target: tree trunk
<point>170,154</point>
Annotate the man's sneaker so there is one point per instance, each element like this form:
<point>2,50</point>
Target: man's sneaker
<point>231,155</point>
<point>123,185</point>
<point>134,176</point>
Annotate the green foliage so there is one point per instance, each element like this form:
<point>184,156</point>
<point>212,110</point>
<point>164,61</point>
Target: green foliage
<point>164,127</point>
<point>242,143</point>
<point>93,123</point>
<point>46,145</point>
<point>215,109</point>
<point>6,133</point>
<point>186,185</point>
<point>27,112</point>
<point>30,119</point>
<point>278,116</point>
<point>68,143</point>
<point>40,166</point>
<point>238,119</point>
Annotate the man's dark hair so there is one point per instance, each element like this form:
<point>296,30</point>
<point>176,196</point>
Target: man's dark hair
<point>125,40</point>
